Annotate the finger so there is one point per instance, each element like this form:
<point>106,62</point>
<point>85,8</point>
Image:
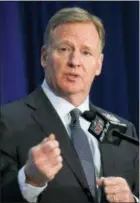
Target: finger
<point>50,138</point>
<point>55,161</point>
<point>50,174</point>
<point>115,189</point>
<point>49,162</point>
<point>111,181</point>
<point>48,165</point>
<point>126,196</point>
<point>55,152</point>
<point>110,190</point>
<point>112,198</point>
<point>52,144</point>
<point>34,151</point>
<point>49,146</point>
<point>57,168</point>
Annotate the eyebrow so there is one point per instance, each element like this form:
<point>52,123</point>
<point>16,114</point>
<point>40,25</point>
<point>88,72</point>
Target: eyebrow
<point>87,47</point>
<point>65,42</point>
<point>71,44</point>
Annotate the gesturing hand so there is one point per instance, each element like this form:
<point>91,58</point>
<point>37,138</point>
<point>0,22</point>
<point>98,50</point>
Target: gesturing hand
<point>116,189</point>
<point>44,162</point>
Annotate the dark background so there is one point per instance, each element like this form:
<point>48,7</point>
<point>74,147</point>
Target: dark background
<point>22,25</point>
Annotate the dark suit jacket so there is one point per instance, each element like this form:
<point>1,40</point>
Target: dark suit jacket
<point>25,123</point>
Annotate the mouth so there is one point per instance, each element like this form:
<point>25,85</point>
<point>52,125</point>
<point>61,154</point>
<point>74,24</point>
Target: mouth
<point>72,76</point>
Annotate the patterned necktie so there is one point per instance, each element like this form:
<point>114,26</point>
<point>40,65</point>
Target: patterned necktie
<point>82,148</point>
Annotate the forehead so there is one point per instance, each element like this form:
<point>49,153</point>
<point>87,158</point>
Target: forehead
<point>80,33</point>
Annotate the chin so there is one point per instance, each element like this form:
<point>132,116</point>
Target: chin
<point>71,90</point>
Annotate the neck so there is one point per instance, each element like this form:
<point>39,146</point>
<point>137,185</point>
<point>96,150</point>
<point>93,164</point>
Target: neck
<point>75,99</point>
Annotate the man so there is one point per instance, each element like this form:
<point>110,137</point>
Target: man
<point>40,162</point>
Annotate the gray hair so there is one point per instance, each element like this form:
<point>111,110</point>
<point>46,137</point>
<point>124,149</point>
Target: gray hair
<point>74,14</point>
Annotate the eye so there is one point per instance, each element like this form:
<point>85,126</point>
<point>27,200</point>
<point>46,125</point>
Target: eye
<point>64,49</point>
<point>86,53</point>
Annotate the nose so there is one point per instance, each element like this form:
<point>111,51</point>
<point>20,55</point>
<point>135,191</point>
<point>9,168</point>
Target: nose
<point>74,59</point>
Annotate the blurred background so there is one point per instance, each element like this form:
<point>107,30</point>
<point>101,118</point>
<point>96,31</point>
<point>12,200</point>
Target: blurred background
<point>22,25</point>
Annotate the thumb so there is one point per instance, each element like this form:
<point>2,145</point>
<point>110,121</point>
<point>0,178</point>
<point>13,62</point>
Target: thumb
<point>51,137</point>
<point>100,181</point>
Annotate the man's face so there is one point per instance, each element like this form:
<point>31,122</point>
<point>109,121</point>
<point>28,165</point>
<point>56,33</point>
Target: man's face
<point>73,59</point>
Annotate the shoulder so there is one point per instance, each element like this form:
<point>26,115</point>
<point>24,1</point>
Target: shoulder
<point>20,107</point>
<point>10,107</point>
<point>14,109</point>
<point>17,114</point>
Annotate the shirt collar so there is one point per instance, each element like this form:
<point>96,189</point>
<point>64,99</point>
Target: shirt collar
<point>62,106</point>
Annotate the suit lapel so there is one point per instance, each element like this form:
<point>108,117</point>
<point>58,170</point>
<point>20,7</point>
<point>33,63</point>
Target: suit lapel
<point>50,122</point>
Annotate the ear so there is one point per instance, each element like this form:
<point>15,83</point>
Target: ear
<point>99,64</point>
<point>43,56</point>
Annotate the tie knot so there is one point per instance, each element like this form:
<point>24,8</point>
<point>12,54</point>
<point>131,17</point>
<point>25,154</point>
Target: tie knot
<point>75,114</point>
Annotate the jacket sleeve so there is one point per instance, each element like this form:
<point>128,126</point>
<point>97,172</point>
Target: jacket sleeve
<point>136,166</point>
<point>9,187</point>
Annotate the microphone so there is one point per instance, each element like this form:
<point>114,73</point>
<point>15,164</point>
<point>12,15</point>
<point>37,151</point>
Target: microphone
<point>107,128</point>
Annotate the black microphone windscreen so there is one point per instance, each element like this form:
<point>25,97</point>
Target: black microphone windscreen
<point>89,115</point>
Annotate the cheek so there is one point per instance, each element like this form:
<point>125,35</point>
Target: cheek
<point>90,73</point>
<point>58,65</point>
<point>93,70</point>
<point>89,79</point>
